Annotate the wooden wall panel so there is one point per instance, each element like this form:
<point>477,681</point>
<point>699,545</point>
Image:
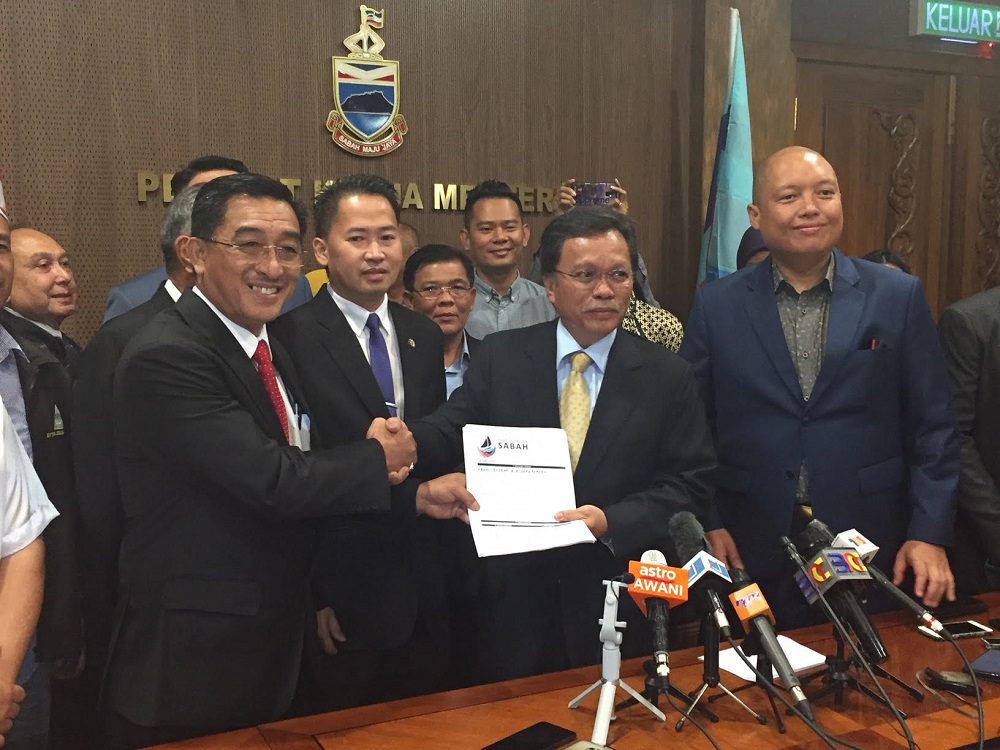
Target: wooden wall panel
<point>97,90</point>
<point>975,262</point>
<point>885,132</point>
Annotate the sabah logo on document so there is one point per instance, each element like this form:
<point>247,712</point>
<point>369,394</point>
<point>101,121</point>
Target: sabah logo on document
<point>487,449</point>
<point>366,120</point>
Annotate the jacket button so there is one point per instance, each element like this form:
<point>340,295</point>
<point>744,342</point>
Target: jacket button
<point>789,474</point>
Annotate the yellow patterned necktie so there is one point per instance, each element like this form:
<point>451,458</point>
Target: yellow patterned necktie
<point>574,407</point>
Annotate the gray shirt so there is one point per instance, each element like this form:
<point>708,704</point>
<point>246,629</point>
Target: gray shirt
<point>524,304</point>
<point>804,319</point>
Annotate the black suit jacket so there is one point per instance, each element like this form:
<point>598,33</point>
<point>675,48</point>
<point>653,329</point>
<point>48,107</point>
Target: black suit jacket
<point>344,397</point>
<point>219,512</point>
<point>648,454</point>
<point>969,331</point>
<point>97,488</point>
<point>93,437</point>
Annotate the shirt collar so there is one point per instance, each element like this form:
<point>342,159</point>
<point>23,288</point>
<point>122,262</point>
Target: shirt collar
<point>7,344</point>
<point>172,290</point>
<point>484,288</point>
<point>831,273</point>
<point>247,341</point>
<point>463,359</point>
<point>356,315</point>
<point>598,351</point>
<point>55,332</point>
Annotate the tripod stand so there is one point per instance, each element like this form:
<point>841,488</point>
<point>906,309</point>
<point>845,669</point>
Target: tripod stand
<point>657,686</point>
<point>838,676</point>
<point>710,675</point>
<point>751,647</point>
<point>611,663</point>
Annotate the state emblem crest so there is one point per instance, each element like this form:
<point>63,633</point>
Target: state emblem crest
<point>366,120</point>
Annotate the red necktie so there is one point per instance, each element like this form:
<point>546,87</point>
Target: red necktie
<point>262,358</point>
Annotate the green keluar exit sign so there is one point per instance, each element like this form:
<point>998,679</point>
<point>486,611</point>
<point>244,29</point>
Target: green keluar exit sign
<point>971,21</point>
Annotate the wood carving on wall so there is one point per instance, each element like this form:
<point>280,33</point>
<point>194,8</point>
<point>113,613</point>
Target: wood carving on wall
<point>988,237</point>
<point>903,132</point>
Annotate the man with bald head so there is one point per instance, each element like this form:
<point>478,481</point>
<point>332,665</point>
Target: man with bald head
<point>827,394</point>
<point>43,294</point>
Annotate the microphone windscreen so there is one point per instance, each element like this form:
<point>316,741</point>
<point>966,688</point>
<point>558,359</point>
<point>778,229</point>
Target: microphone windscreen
<point>813,537</point>
<point>687,535</point>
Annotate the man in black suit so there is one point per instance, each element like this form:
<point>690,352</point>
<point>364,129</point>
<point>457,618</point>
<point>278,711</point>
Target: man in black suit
<point>388,640</point>
<point>969,331</point>
<point>101,513</point>
<point>219,490</point>
<point>646,453</point>
<point>439,284</point>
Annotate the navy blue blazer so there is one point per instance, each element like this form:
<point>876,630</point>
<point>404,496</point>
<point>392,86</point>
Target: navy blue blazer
<point>878,434</point>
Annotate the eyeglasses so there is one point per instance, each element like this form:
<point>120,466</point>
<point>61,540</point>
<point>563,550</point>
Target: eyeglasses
<point>288,255</point>
<point>458,291</point>
<point>618,277</point>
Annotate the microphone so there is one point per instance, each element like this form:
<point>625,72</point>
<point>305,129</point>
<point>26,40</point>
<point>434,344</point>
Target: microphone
<point>704,571</point>
<point>657,587</point>
<point>867,550</point>
<point>836,572</point>
<point>755,614</point>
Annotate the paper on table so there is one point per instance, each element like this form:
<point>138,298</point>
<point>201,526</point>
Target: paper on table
<point>800,657</point>
<point>521,477</point>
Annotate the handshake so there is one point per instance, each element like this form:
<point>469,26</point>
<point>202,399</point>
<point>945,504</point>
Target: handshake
<point>398,444</point>
<point>444,497</point>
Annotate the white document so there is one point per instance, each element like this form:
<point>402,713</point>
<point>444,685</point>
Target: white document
<point>800,657</point>
<point>521,476</point>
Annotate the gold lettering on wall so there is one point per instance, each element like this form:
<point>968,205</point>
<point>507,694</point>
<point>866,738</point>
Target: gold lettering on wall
<point>146,183</point>
<point>445,197</point>
<point>448,196</point>
<point>291,183</point>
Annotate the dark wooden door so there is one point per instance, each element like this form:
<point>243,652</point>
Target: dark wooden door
<point>885,131</point>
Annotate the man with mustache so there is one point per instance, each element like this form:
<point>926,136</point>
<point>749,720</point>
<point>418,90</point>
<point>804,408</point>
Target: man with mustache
<point>638,443</point>
<point>828,396</point>
<point>220,489</point>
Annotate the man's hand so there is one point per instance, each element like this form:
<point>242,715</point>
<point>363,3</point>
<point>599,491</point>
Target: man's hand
<point>11,696</point>
<point>620,203</point>
<point>329,630</point>
<point>446,497</point>
<point>932,577</point>
<point>723,548</point>
<point>591,515</point>
<point>399,446</point>
<point>566,196</point>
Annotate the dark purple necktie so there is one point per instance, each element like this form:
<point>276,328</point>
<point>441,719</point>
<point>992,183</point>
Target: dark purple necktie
<point>379,356</point>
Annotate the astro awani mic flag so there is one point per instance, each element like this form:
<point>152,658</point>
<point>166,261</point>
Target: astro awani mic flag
<point>732,177</point>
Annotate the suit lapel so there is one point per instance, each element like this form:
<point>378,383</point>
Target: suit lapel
<point>540,398</point>
<point>340,343</point>
<point>846,308</point>
<point>615,403</point>
<point>204,321</point>
<point>762,311</point>
<point>408,341</point>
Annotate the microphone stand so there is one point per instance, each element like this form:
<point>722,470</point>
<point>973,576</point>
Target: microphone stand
<point>611,662</point>
<point>710,676</point>
<point>751,647</point>
<point>657,686</point>
<point>838,676</point>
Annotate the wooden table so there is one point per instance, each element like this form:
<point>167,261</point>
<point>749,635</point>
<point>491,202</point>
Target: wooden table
<point>475,717</point>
